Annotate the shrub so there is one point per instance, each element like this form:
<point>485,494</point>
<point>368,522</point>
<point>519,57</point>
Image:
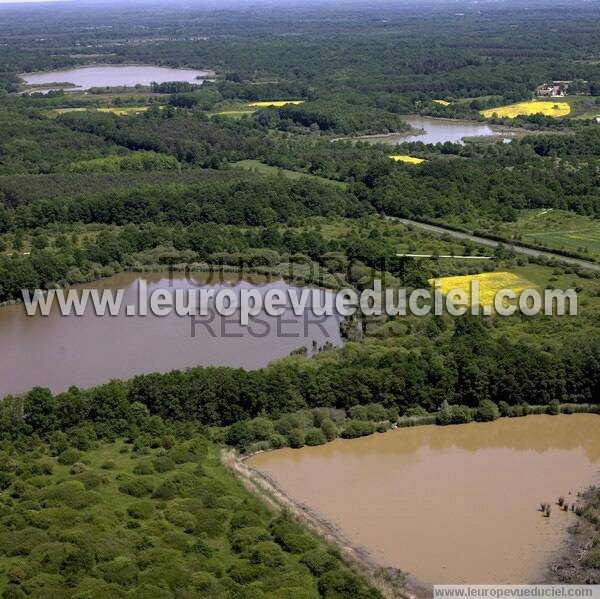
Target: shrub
<point>202,548</point>
<point>277,441</point>
<point>137,487</point>
<point>181,519</point>
<point>296,438</point>
<point>315,436</point>
<point>554,408</point>
<point>70,493</point>
<point>329,429</point>
<point>163,463</point>
<point>358,428</point>
<point>206,584</point>
<point>244,519</point>
<point>244,572</point>
<point>142,510</point>
<point>592,558</point>
<point>143,468</point>
<point>267,553</point>
<point>108,465</point>
<point>487,411</point>
<point>70,456</point>
<point>342,583</point>
<point>121,570</point>
<point>243,539</point>
<point>318,561</point>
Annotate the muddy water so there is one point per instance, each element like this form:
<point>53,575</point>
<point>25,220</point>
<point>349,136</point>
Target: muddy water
<point>58,352</point>
<point>453,504</point>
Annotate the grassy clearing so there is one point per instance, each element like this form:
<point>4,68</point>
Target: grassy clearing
<point>489,284</point>
<point>407,159</point>
<point>261,167</point>
<point>557,229</point>
<point>547,108</point>
<point>125,111</point>
<point>234,114</point>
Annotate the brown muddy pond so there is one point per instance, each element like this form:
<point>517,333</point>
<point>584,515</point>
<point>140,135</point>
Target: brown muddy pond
<point>58,351</point>
<point>456,504</point>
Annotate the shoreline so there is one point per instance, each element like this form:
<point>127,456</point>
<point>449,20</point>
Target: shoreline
<point>276,499</point>
<point>560,568</point>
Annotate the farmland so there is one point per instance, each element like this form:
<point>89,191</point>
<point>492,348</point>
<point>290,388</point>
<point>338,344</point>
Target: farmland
<point>490,283</point>
<point>552,108</point>
<point>407,159</point>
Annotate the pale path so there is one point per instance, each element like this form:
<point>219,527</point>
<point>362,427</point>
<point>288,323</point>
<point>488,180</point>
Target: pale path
<point>437,230</point>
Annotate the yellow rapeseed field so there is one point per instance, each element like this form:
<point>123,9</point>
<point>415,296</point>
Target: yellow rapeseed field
<point>547,107</point>
<point>442,102</point>
<point>489,285</point>
<point>406,158</point>
<point>275,103</point>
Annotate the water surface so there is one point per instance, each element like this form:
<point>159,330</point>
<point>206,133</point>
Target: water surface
<point>58,352</point>
<point>436,131</point>
<point>114,76</point>
<point>456,504</point>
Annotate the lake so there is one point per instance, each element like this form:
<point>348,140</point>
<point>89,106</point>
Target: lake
<point>456,504</point>
<point>114,76</point>
<point>435,131</point>
<point>58,352</point>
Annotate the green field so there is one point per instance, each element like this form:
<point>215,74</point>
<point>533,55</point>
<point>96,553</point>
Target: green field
<point>558,230</point>
<point>261,167</point>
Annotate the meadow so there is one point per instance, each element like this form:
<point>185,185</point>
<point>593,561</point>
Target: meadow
<point>267,169</point>
<point>556,229</point>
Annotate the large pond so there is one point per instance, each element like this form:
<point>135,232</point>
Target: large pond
<point>57,351</point>
<point>457,504</point>
<point>84,78</point>
<point>434,131</point>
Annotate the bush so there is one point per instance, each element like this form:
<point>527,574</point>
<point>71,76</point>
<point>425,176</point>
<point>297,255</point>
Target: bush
<point>163,463</point>
<point>277,441</point>
<point>329,429</point>
<point>296,438</point>
<point>141,510</point>
<point>244,572</point>
<point>243,539</point>
<point>137,487</point>
<point>487,411</point>
<point>341,583</point>
<point>143,468</point>
<point>268,554</point>
<point>121,570</point>
<point>318,561</point>
<point>554,407</point>
<point>315,436</point>
<point>358,428</point>
<point>453,414</point>
<point>69,457</point>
